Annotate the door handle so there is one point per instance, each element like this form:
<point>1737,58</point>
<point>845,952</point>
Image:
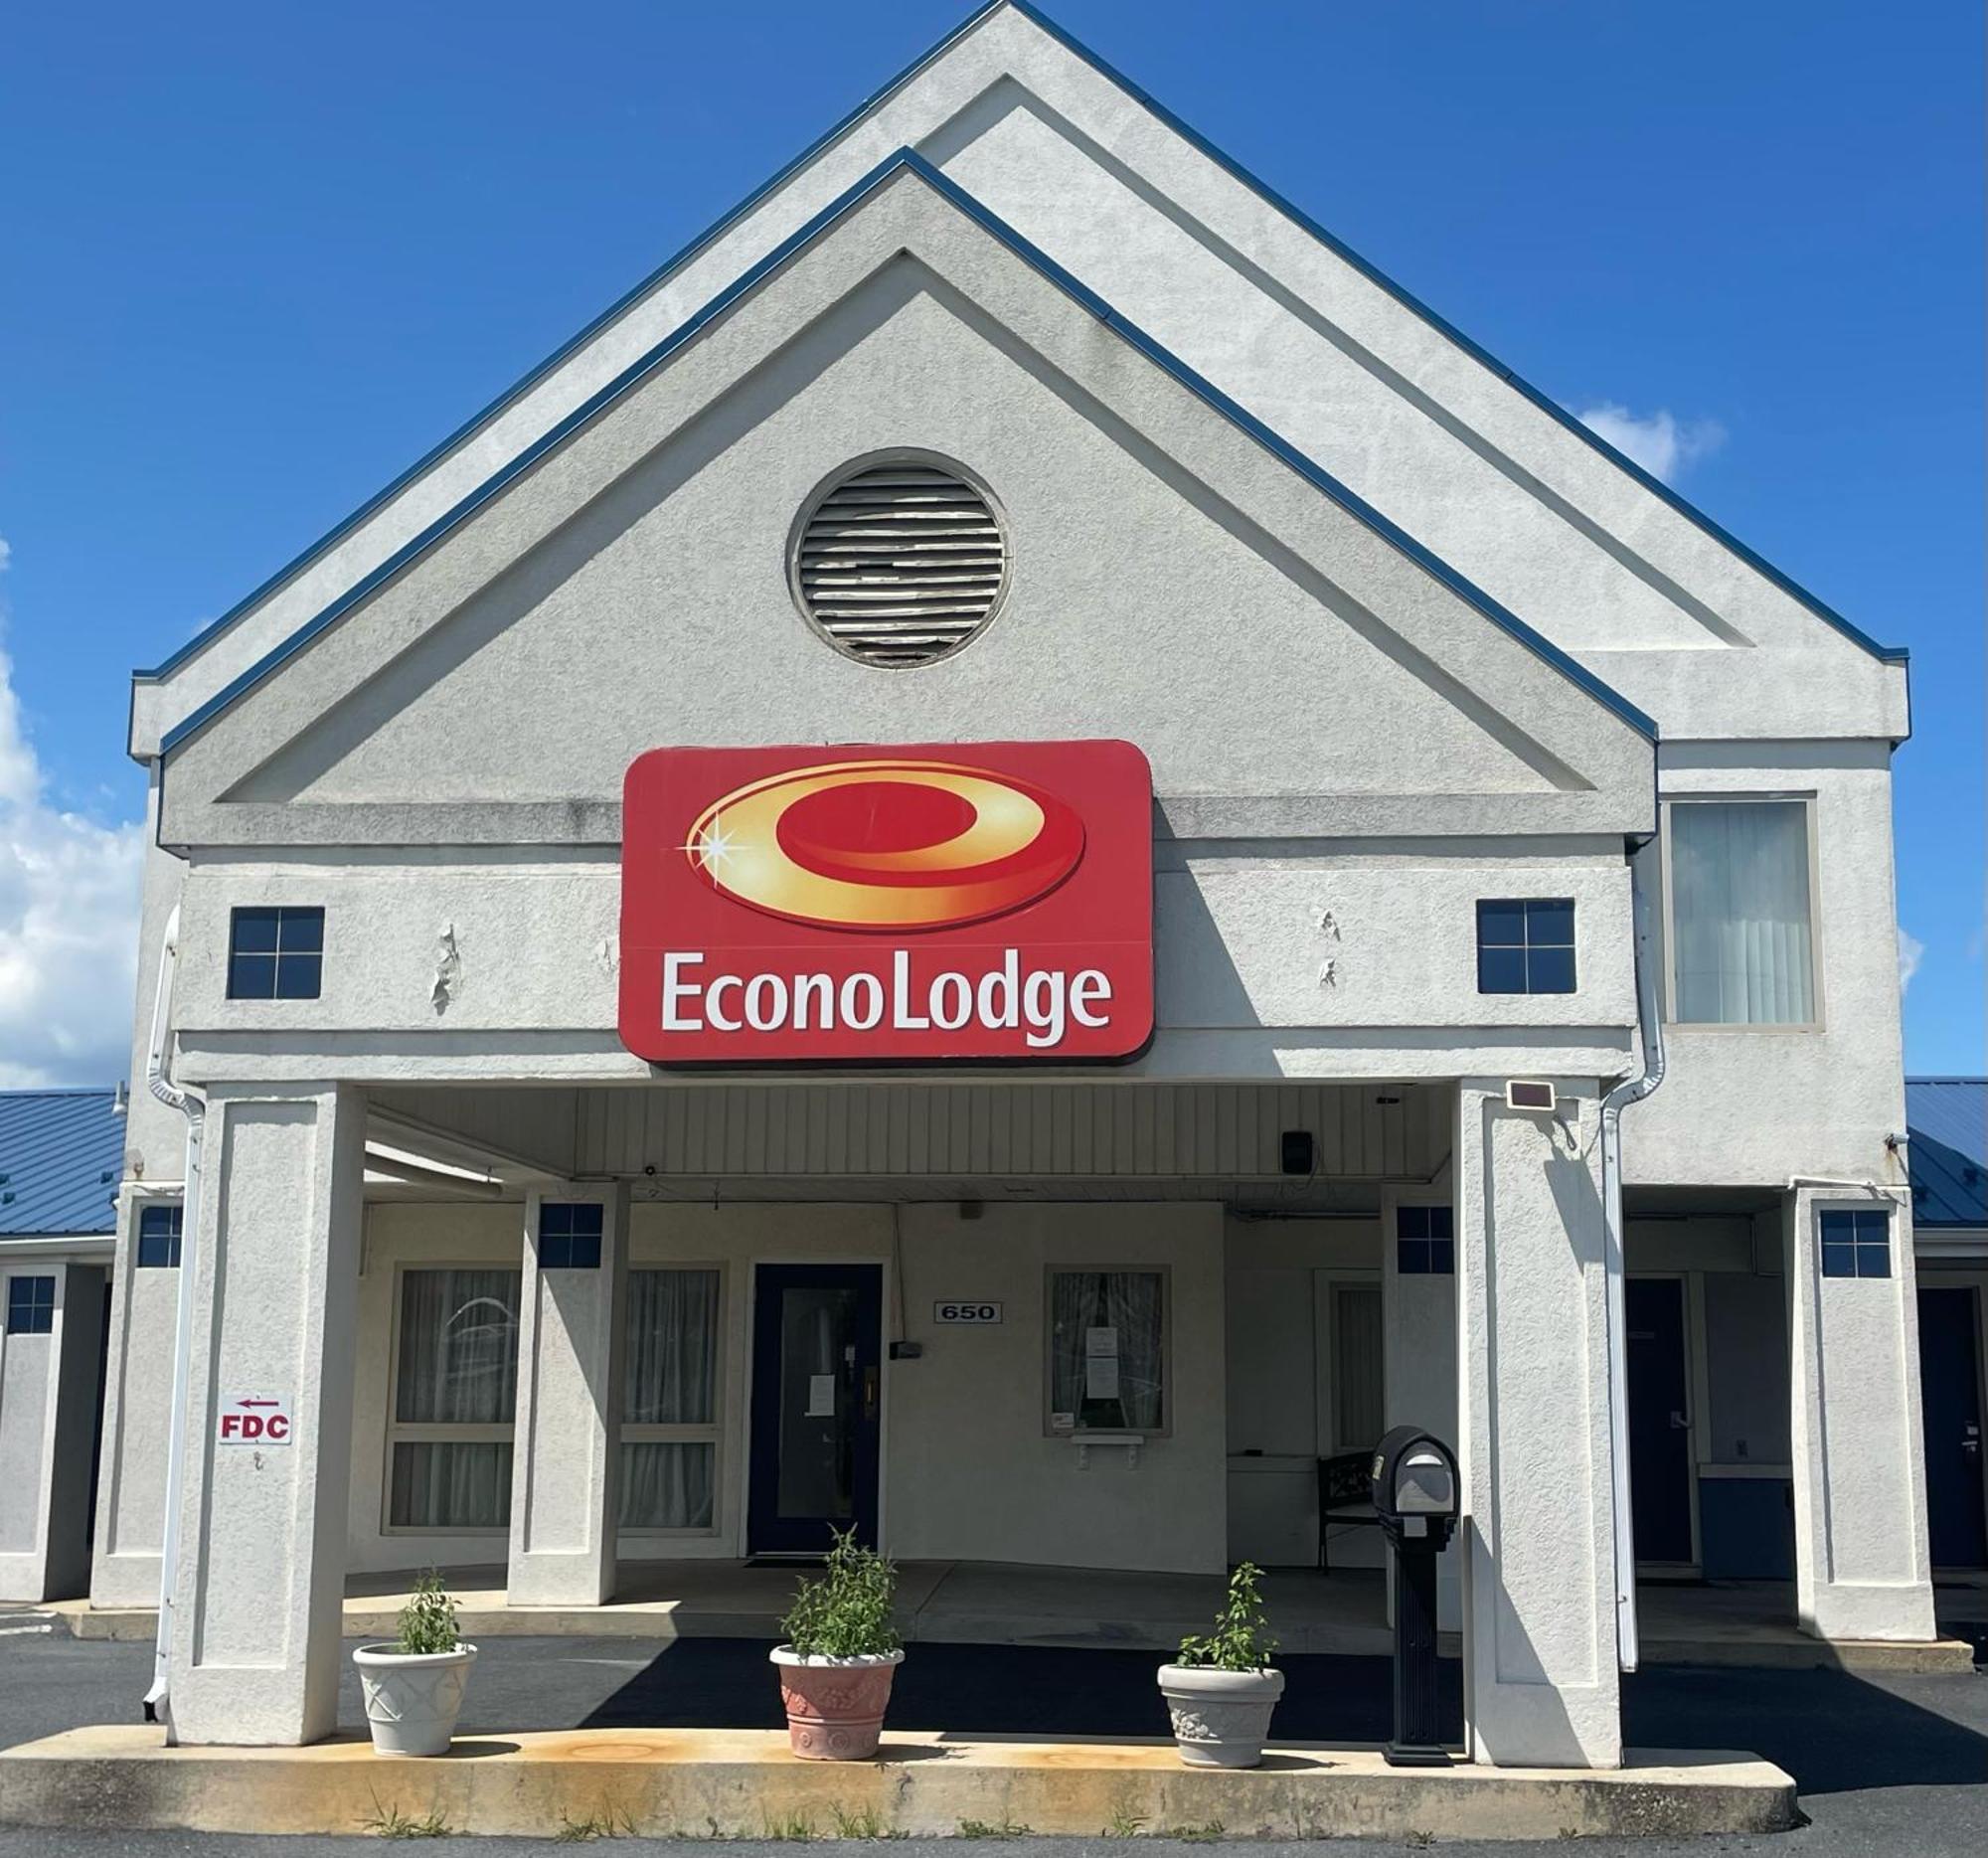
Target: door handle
<point>869,1392</point>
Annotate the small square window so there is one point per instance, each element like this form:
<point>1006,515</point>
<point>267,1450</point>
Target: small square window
<point>31,1305</point>
<point>1857,1244</point>
<point>159,1236</point>
<point>569,1234</point>
<point>1525,945</point>
<point>275,953</point>
<point>1424,1242</point>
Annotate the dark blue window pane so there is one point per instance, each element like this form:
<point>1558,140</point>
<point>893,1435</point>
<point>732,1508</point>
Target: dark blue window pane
<point>587,1217</point>
<point>569,1234</point>
<point>1411,1258</point>
<point>1873,1261</point>
<point>1442,1255</point>
<point>1550,971</point>
<point>159,1238</point>
<point>1873,1227</point>
<point>1839,1259</point>
<point>1412,1222</point>
<point>252,977</point>
<point>1501,971</point>
<point>1550,924</point>
<point>255,932</point>
<point>300,931</point>
<point>1501,925</point>
<point>1443,1222</point>
<point>31,1305</point>
<point>298,976</point>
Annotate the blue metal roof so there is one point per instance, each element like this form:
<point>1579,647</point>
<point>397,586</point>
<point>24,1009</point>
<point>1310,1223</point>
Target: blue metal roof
<point>62,1153</point>
<point>1891,654</point>
<point>1947,1120</point>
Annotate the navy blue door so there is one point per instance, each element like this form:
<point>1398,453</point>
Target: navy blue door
<point>817,1370</point>
<point>1951,1393</point>
<point>1659,1420</point>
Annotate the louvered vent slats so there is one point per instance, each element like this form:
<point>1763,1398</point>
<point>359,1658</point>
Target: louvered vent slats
<point>900,563</point>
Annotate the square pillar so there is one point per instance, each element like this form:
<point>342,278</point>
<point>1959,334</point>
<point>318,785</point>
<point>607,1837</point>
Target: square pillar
<point>1861,1549</point>
<point>137,1413</point>
<point>261,1579</point>
<point>1419,1316</point>
<point>1541,1677</point>
<point>566,1473</point>
<point>51,1347</point>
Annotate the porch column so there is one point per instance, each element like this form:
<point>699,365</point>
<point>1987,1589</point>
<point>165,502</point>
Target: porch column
<point>566,1473</point>
<point>1861,1552</point>
<point>1540,1675</point>
<point>1419,1314</point>
<point>256,1623</point>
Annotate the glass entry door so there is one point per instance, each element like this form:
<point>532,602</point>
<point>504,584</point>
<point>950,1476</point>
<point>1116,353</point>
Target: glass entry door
<point>817,1368</point>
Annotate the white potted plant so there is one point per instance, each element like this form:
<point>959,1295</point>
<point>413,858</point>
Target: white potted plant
<point>1221,1689</point>
<point>842,1649</point>
<point>413,1687</point>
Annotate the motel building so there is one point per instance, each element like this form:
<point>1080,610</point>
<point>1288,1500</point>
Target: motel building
<point>1010,861</point>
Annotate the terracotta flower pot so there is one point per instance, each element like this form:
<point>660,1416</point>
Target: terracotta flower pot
<point>835,1706</point>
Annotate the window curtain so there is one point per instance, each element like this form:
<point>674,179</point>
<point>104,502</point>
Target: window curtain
<point>670,1348</point>
<point>666,1483</point>
<point>1127,1395</point>
<point>458,1366</point>
<point>670,1378</point>
<point>458,1348</point>
<point>1357,1377</point>
<point>1739,894</point>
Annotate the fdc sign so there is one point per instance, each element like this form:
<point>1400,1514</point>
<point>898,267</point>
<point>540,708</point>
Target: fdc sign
<point>965,901</point>
<point>253,1420</point>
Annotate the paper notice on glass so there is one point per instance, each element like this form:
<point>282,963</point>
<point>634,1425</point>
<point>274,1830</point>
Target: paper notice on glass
<point>821,1397</point>
<point>1101,1377</point>
<point>1102,1341</point>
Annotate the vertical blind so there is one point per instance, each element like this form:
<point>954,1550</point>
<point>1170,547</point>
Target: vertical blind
<point>1739,907</point>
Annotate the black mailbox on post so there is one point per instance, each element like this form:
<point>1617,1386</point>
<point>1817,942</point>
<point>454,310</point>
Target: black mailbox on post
<point>1415,1495</point>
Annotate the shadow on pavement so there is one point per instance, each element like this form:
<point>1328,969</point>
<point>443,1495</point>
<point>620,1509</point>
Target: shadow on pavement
<point>987,1690</point>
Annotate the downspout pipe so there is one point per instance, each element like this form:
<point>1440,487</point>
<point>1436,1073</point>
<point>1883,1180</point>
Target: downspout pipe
<point>1632,1089</point>
<point>192,1106</point>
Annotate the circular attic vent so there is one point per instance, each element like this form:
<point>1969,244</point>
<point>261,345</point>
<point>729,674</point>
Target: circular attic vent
<point>900,562</point>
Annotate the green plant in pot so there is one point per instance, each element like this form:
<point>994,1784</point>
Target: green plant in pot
<point>415,1686</point>
<point>840,1653</point>
<point>1221,1688</point>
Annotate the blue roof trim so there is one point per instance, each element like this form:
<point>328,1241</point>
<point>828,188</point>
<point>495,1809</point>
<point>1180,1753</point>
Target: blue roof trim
<point>62,1156</point>
<point>525,382</point>
<point>1891,654</point>
<point>908,160</point>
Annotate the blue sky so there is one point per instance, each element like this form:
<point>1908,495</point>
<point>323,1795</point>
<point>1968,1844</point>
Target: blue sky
<point>260,258</point>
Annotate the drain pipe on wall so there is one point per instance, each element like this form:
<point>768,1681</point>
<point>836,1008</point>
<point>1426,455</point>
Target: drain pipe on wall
<point>1632,1089</point>
<point>192,1106</point>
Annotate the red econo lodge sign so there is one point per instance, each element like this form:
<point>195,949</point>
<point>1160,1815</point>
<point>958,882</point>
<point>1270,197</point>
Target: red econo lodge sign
<point>984,900</point>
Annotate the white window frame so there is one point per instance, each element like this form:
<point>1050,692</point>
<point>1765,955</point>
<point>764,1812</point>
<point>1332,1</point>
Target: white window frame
<point>1806,800</point>
<point>440,1431</point>
<point>1056,1269</point>
<point>643,1433</point>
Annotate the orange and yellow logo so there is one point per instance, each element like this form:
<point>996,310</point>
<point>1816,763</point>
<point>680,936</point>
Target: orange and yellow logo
<point>885,844</point>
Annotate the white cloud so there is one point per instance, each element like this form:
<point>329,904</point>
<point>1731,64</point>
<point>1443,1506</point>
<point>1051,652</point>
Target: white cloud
<point>69,924</point>
<point>1910,953</point>
<point>1663,444</point>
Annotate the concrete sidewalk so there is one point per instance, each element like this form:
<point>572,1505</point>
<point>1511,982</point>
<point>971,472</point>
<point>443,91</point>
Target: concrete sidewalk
<point>992,1603</point>
<point>744,1783</point>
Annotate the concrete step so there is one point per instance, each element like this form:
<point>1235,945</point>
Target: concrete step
<point>744,1783</point>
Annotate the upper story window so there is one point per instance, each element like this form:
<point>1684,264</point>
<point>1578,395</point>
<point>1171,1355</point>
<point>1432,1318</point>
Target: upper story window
<point>31,1305</point>
<point>159,1235</point>
<point>1525,945</point>
<point>569,1234</point>
<point>1742,947</point>
<point>275,953</point>
<point>1857,1244</point>
<point>898,561</point>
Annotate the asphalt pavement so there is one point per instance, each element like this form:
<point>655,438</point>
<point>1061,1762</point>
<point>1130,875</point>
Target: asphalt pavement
<point>1886,1765</point>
